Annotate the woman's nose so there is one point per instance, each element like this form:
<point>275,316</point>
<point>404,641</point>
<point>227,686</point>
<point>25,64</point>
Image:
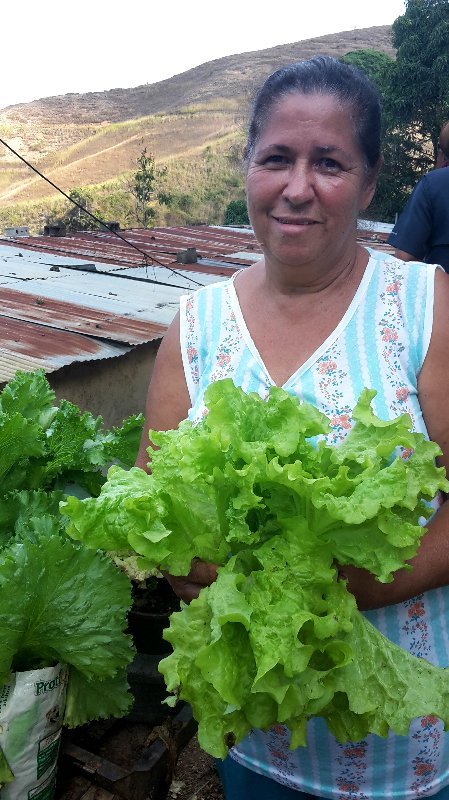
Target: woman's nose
<point>299,185</point>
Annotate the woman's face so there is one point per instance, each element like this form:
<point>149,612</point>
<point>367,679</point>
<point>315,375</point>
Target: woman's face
<point>306,183</point>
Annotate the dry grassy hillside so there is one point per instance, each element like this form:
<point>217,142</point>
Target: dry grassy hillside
<point>114,149</point>
<point>85,139</point>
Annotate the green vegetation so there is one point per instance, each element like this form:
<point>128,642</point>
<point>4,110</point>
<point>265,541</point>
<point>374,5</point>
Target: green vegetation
<point>277,638</point>
<point>415,98</point>
<point>419,85</point>
<point>236,213</point>
<point>193,188</point>
<point>143,187</point>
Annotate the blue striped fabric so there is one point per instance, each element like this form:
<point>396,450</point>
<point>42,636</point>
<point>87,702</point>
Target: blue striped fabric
<point>380,343</point>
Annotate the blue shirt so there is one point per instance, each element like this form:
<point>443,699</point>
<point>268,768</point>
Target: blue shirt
<point>423,227</point>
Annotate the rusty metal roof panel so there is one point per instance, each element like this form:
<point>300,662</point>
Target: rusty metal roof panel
<point>65,316</point>
<point>107,293</point>
<point>135,247</point>
<point>27,346</point>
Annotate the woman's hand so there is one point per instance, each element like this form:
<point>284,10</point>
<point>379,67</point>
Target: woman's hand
<point>187,587</point>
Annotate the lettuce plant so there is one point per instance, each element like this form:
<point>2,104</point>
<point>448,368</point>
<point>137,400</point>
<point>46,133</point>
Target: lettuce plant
<point>59,601</point>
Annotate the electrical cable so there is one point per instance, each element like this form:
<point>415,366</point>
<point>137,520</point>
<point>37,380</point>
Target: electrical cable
<point>145,255</point>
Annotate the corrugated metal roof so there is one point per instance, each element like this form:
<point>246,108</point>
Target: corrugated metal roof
<point>92,296</point>
<point>25,346</point>
<point>60,314</point>
<point>142,247</point>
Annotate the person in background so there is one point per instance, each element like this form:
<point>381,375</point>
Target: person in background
<point>422,230</point>
<point>323,317</point>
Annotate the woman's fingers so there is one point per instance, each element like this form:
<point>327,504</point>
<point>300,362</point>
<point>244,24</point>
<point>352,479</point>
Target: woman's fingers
<point>187,587</point>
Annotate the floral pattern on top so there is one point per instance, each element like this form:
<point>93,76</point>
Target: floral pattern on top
<point>391,328</point>
<point>331,378</point>
<point>352,765</point>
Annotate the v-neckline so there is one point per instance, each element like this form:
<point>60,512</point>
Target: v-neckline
<point>313,358</point>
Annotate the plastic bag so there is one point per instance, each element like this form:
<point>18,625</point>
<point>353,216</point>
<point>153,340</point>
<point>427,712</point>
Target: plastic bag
<point>31,714</point>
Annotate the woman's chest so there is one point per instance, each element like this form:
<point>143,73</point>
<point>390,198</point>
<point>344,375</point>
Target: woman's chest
<point>285,341</point>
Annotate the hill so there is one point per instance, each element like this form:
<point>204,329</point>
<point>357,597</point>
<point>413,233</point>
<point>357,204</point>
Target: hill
<point>93,138</point>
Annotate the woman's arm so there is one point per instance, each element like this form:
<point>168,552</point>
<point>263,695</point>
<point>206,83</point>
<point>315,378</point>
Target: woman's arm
<point>168,399</point>
<point>403,256</point>
<point>167,404</point>
<point>431,564</point>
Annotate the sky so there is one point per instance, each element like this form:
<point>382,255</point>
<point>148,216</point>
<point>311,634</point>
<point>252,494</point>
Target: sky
<point>52,48</point>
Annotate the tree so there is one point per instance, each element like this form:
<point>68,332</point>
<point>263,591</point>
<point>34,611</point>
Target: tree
<point>419,90</point>
<point>376,65</point>
<point>415,99</point>
<point>402,164</point>
<point>142,187</point>
<point>236,213</point>
<point>74,218</point>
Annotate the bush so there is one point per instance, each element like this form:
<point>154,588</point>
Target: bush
<point>236,213</point>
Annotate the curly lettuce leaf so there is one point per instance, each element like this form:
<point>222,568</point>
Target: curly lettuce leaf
<point>23,513</point>
<point>249,469</point>
<point>95,698</point>
<point>77,441</point>
<point>285,642</point>
<point>122,444</point>
<point>166,529</point>
<point>262,644</point>
<point>384,688</point>
<point>62,602</point>
<point>30,395</point>
<point>20,440</point>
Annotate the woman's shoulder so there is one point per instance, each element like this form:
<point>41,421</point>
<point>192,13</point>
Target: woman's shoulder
<point>203,292</point>
<point>390,264</point>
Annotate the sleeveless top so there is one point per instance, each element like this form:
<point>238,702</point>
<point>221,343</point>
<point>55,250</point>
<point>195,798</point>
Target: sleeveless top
<point>380,343</point>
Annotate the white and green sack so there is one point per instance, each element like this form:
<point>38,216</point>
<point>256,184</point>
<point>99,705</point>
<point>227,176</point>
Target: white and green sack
<point>31,714</point>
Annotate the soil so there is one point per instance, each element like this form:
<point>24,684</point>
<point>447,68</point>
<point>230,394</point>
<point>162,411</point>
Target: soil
<point>195,776</point>
<point>154,596</point>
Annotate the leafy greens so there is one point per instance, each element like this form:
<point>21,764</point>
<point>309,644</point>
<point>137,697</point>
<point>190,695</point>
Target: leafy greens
<point>255,488</point>
<point>59,601</point>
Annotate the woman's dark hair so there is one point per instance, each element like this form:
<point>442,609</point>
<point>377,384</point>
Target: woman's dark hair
<point>323,75</point>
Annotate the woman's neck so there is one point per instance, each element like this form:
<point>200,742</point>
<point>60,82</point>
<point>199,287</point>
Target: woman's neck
<point>290,281</point>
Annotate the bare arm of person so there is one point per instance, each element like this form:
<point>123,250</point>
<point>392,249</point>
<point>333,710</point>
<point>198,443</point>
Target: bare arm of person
<point>431,564</point>
<point>166,405</point>
<point>403,256</point>
<point>168,399</point>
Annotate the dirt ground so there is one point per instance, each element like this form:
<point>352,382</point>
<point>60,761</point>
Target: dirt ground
<point>195,776</point>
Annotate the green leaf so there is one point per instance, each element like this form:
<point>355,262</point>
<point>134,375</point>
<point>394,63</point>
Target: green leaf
<point>62,602</point>
<point>30,395</point>
<point>95,698</point>
<point>6,776</point>
<point>386,687</point>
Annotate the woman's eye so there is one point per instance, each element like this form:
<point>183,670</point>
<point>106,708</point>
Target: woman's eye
<point>329,164</point>
<point>275,160</point>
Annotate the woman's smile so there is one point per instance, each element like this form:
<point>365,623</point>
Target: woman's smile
<point>296,222</point>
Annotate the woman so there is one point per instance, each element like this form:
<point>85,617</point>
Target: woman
<point>323,317</point>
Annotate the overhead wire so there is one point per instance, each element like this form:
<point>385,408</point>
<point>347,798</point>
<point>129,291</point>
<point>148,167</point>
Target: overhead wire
<point>145,255</point>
